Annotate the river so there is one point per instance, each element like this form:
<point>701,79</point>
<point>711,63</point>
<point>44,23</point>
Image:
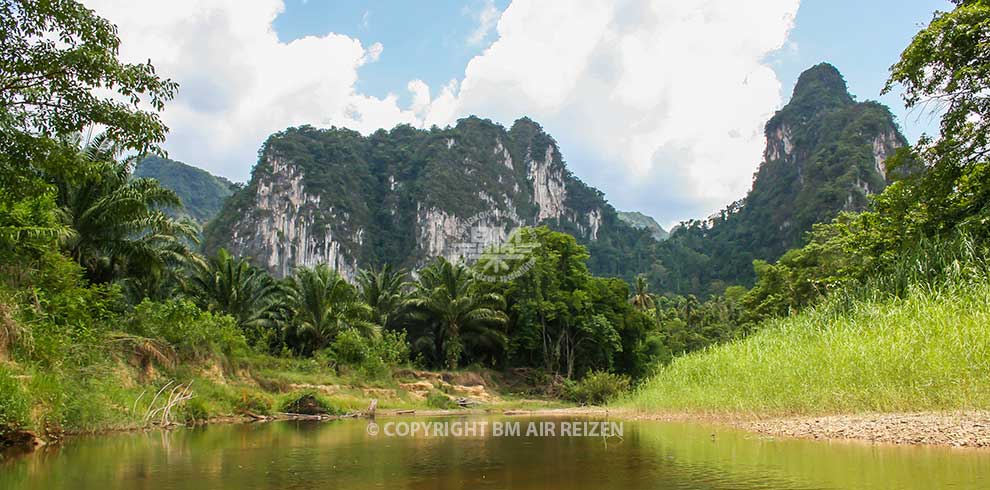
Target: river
<point>480,452</point>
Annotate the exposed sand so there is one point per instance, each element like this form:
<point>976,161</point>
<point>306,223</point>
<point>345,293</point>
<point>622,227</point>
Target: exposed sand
<point>955,429</point>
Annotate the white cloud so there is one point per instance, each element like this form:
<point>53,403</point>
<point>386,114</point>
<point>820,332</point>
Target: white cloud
<point>238,82</point>
<point>662,104</point>
<point>486,16</point>
<point>659,103</point>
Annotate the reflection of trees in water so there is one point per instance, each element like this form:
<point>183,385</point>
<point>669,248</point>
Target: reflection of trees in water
<point>342,455</point>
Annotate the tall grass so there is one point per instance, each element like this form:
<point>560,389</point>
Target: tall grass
<point>915,338</point>
<point>932,263</point>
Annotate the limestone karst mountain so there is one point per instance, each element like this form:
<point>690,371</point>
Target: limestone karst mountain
<point>402,196</point>
<point>825,153</point>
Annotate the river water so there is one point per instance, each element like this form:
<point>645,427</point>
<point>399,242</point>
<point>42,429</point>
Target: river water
<point>477,453</point>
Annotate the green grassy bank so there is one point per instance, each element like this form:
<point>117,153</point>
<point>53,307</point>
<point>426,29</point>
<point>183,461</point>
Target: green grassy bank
<point>927,351</point>
<point>116,395</point>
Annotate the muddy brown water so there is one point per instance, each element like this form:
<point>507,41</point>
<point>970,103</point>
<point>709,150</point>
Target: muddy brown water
<point>347,454</point>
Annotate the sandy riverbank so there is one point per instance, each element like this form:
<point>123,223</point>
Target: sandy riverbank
<point>957,429</point>
<point>953,429</point>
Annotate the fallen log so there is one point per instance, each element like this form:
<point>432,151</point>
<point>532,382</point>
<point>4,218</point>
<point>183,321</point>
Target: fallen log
<point>466,402</point>
<point>255,417</point>
<point>301,416</point>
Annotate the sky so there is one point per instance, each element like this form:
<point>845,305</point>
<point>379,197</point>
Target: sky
<point>660,104</point>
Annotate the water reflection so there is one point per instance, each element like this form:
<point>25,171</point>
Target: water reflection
<point>650,455</point>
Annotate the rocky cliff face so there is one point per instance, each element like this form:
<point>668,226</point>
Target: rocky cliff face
<point>403,196</point>
<point>282,230</point>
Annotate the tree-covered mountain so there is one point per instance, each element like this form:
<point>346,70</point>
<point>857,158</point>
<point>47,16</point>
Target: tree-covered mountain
<point>405,195</point>
<point>825,154</point>
<point>639,220</point>
<point>402,196</point>
<point>201,192</point>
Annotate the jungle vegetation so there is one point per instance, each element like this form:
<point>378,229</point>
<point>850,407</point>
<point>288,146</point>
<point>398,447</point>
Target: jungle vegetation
<point>98,278</point>
<point>886,309</point>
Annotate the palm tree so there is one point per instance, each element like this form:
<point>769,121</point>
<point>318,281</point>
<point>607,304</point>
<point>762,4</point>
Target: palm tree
<point>382,290</point>
<point>323,305</point>
<point>233,286</point>
<point>689,309</point>
<point>117,226</point>
<point>641,298</point>
<point>447,297</point>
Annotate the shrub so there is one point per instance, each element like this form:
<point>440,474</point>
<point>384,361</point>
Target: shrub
<point>12,333</point>
<point>67,318</point>
<point>13,402</point>
<point>195,334</point>
<point>350,348</point>
<point>597,388</point>
<point>393,349</point>
<point>194,411</point>
<point>372,357</point>
<point>438,399</point>
<point>255,402</point>
<point>309,402</point>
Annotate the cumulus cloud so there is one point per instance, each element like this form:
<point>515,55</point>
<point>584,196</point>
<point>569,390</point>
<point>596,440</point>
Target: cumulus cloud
<point>239,83</point>
<point>662,103</point>
<point>659,103</point>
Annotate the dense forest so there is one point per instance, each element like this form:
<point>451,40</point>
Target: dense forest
<point>102,275</point>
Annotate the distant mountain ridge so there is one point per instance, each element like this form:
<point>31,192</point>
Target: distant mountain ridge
<point>201,192</point>
<point>642,221</point>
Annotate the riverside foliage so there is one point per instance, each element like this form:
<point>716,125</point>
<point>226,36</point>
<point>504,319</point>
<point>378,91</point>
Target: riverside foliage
<point>103,293</point>
<point>898,294</point>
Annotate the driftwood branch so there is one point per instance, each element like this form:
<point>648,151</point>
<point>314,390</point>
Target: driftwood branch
<point>147,415</point>
<point>179,394</point>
